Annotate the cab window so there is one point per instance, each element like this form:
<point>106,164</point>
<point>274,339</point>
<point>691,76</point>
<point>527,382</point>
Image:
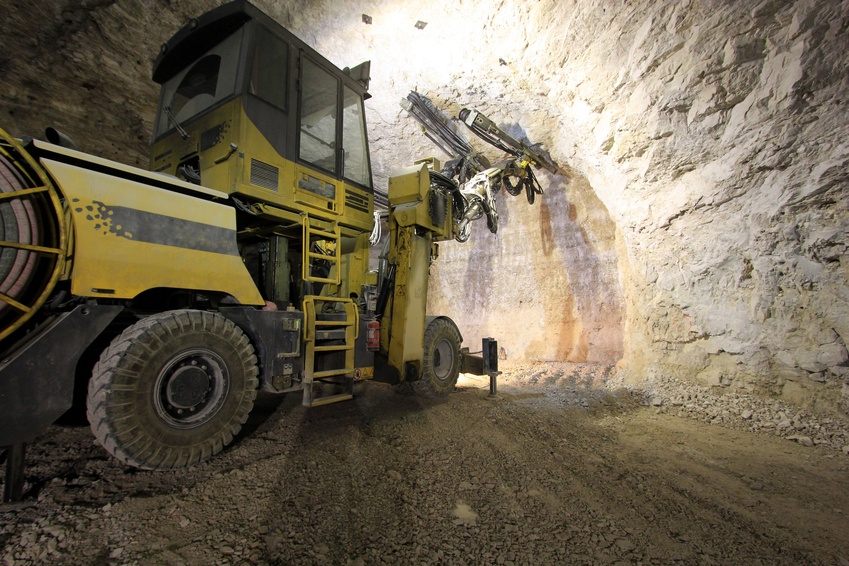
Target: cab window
<point>269,68</point>
<point>355,165</point>
<point>198,87</point>
<point>319,91</point>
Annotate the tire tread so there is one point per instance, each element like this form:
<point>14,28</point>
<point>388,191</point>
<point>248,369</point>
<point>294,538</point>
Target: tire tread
<point>120,366</point>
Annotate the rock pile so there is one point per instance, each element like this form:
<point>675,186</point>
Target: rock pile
<point>592,385</point>
<point>744,412</point>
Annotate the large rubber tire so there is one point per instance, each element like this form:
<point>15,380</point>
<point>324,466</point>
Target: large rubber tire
<point>172,390</point>
<point>441,362</point>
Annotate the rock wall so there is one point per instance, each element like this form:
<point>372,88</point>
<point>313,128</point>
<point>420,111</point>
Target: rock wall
<point>701,231</point>
<point>83,67</point>
<point>713,134</point>
<point>704,137</point>
<point>547,286</point>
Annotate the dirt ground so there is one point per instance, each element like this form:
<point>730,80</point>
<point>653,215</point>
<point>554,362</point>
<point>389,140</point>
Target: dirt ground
<point>551,471</point>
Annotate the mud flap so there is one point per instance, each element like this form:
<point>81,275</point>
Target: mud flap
<point>37,378</point>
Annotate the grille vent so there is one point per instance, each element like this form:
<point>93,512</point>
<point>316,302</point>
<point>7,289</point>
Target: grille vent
<point>264,175</point>
<point>356,201</point>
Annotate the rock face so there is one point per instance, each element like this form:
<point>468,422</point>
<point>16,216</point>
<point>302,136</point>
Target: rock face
<point>701,230</point>
<point>720,157</point>
<point>705,225</point>
<point>82,67</point>
<point>546,286</point>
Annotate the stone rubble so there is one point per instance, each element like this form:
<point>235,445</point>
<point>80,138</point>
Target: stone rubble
<point>592,385</point>
<point>275,497</point>
<point>732,409</point>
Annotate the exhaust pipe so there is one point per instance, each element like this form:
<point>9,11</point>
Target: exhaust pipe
<point>56,137</point>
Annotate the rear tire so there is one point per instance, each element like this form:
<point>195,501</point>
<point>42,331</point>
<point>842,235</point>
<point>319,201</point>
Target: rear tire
<point>172,390</point>
<point>441,362</point>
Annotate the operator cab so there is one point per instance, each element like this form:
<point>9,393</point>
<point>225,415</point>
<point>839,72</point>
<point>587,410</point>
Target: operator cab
<point>249,109</point>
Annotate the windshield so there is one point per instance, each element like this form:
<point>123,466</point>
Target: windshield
<point>319,90</point>
<point>209,80</point>
<point>356,165</point>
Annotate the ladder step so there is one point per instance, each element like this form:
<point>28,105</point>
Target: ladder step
<point>333,348</point>
<point>338,334</point>
<point>332,372</point>
<point>330,399</point>
<point>325,257</point>
<point>333,323</point>
<point>328,235</point>
<point>317,229</point>
<point>320,328</point>
<point>324,299</point>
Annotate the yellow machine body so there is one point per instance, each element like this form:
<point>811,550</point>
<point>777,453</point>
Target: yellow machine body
<point>242,255</point>
<point>290,151</point>
<point>280,188</point>
<point>131,236</point>
<point>413,231</point>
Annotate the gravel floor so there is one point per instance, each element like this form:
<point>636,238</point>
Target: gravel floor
<point>564,467</point>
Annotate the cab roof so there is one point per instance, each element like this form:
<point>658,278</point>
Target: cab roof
<point>202,33</point>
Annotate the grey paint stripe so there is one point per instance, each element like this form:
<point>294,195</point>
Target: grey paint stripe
<point>155,228</point>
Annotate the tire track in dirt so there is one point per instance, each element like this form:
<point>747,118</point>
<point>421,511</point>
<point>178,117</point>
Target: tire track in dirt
<point>531,477</point>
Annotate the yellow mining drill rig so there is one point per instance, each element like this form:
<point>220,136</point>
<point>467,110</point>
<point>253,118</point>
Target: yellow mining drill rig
<point>239,262</point>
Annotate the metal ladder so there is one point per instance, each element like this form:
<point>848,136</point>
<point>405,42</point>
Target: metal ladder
<point>326,333</point>
<point>327,231</point>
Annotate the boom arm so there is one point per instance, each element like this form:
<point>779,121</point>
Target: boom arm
<point>419,216</point>
<point>468,176</point>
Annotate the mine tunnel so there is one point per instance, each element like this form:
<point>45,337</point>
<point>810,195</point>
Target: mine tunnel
<point>671,312</point>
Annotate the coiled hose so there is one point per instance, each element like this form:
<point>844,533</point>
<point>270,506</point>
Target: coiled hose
<point>18,224</point>
<point>32,236</point>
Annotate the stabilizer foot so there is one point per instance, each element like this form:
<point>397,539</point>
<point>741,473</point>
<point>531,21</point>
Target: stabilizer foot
<point>14,488</point>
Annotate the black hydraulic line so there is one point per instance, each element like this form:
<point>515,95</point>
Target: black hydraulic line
<point>529,191</point>
<point>494,141</point>
<point>385,289</point>
<point>512,189</point>
<point>437,123</point>
<point>438,127</point>
<point>448,185</point>
<point>438,142</point>
<point>442,181</point>
<point>381,199</point>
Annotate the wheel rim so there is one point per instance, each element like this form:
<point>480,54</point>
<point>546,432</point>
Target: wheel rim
<point>191,388</point>
<point>443,359</point>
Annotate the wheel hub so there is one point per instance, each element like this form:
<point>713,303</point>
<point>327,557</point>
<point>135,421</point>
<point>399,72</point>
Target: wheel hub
<point>443,359</point>
<point>187,387</point>
<point>191,388</point>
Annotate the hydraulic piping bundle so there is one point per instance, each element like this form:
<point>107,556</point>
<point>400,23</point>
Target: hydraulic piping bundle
<point>468,177</point>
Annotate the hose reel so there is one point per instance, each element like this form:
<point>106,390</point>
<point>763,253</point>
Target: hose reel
<point>33,242</point>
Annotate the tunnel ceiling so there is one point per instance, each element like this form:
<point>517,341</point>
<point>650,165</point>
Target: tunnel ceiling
<point>699,228</point>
